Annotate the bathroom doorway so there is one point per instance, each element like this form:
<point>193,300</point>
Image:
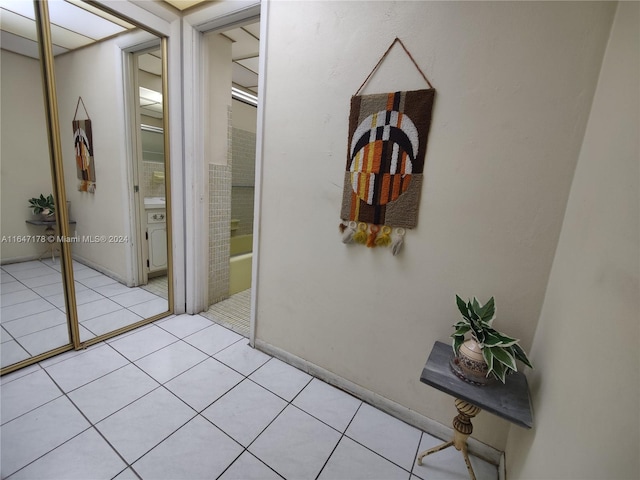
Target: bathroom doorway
<point>232,185</point>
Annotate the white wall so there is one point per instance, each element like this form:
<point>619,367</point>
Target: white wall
<point>25,167</point>
<point>218,89</point>
<point>95,74</point>
<point>586,386</point>
<point>514,86</point>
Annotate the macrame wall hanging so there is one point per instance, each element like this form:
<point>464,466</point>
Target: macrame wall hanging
<point>83,146</point>
<point>385,162</point>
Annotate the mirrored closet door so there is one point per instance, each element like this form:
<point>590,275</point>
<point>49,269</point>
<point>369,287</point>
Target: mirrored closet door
<point>109,129</point>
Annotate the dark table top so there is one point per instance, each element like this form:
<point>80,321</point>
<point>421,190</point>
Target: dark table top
<point>49,223</point>
<point>510,401</point>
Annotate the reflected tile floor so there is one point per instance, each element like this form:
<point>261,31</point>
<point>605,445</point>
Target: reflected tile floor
<point>233,313</point>
<point>32,307</point>
<point>184,398</point>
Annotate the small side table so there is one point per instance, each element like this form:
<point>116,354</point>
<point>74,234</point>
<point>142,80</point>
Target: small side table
<point>50,231</point>
<point>510,401</point>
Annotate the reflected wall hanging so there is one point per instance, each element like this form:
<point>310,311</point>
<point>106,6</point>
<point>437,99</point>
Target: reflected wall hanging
<point>388,135</point>
<point>83,146</point>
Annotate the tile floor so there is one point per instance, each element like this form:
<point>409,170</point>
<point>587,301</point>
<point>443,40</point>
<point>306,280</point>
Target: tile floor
<point>32,309</point>
<point>184,398</point>
<point>233,313</point>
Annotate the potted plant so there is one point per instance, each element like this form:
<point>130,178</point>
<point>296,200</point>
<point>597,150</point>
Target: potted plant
<point>488,353</point>
<point>43,206</point>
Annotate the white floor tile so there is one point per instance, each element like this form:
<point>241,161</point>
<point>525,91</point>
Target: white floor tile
<point>35,433</point>
<point>111,321</point>
<point>151,307</point>
<point>171,361</point>
<point>295,445</point>
<point>327,403</point>
<point>10,377</point>
<point>242,358</point>
<point>97,281</point>
<point>97,308</point>
<point>21,296</point>
<point>21,266</point>
<point>26,393</point>
<point>86,367</point>
<point>11,353</point>
<point>41,280</point>
<point>126,475</point>
<point>34,272</point>
<point>245,411</point>
<point>355,462</point>
<point>449,464</point>
<point>386,435</point>
<point>248,467</point>
<point>133,297</point>
<point>197,450</point>
<point>106,395</point>
<point>6,278</point>
<point>143,342</point>
<point>213,339</point>
<point>83,273</point>
<point>45,340</point>
<point>34,323</point>
<point>280,378</point>
<point>184,325</point>
<point>83,457</point>
<point>204,384</point>
<point>25,309</point>
<point>56,289</point>
<point>11,287</point>
<point>4,335</point>
<point>139,427</point>
<point>111,289</point>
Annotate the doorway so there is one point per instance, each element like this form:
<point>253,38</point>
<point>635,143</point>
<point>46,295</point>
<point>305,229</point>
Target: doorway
<point>235,65</point>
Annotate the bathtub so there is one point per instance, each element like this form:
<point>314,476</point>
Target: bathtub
<point>240,263</point>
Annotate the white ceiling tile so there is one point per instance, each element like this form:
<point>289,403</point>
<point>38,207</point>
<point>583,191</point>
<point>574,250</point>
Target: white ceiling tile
<point>250,63</point>
<point>18,25</point>
<point>243,77</point>
<point>80,20</point>
<point>253,29</point>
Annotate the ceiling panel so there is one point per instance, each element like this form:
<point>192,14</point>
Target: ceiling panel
<point>253,29</point>
<point>150,63</point>
<point>243,77</point>
<point>81,21</point>
<point>250,63</point>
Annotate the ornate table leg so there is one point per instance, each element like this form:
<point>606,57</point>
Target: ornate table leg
<point>462,429</point>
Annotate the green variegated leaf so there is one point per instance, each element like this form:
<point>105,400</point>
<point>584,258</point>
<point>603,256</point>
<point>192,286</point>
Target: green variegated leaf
<point>461,323</point>
<point>457,341</point>
<point>504,356</point>
<point>491,339</point>
<point>472,313</point>
<point>461,330</point>
<point>476,305</point>
<point>499,371</point>
<point>518,352</point>
<point>487,311</point>
<point>462,307</point>
<point>487,354</point>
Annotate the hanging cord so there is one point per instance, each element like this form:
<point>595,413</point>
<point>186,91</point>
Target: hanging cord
<point>384,56</point>
<point>75,115</point>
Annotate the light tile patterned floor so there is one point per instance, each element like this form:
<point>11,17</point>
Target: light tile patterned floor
<point>157,285</point>
<point>185,398</point>
<point>233,313</point>
<point>32,307</point>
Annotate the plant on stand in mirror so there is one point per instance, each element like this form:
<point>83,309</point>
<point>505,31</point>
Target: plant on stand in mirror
<point>44,207</point>
<point>488,353</point>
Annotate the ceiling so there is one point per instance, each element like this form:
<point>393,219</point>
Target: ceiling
<point>75,24</point>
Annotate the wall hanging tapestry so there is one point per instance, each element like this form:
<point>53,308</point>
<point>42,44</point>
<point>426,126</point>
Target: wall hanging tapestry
<point>385,162</point>
<point>83,146</point>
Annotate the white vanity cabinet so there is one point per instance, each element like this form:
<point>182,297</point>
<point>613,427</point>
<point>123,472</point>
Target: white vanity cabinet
<point>157,239</point>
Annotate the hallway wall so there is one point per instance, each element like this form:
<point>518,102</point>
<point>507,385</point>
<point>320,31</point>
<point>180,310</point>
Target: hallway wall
<point>586,384</point>
<point>514,86</point>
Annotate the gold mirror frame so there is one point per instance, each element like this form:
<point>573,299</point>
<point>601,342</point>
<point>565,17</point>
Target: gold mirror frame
<point>56,159</point>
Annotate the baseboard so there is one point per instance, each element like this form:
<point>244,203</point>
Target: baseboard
<point>401,412</point>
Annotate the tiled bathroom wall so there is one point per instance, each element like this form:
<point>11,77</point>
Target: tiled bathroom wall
<point>243,179</point>
<point>149,186</point>
<point>220,223</point>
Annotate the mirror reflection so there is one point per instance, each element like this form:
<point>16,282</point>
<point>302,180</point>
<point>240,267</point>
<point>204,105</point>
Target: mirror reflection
<point>109,84</point>
<point>32,318</point>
